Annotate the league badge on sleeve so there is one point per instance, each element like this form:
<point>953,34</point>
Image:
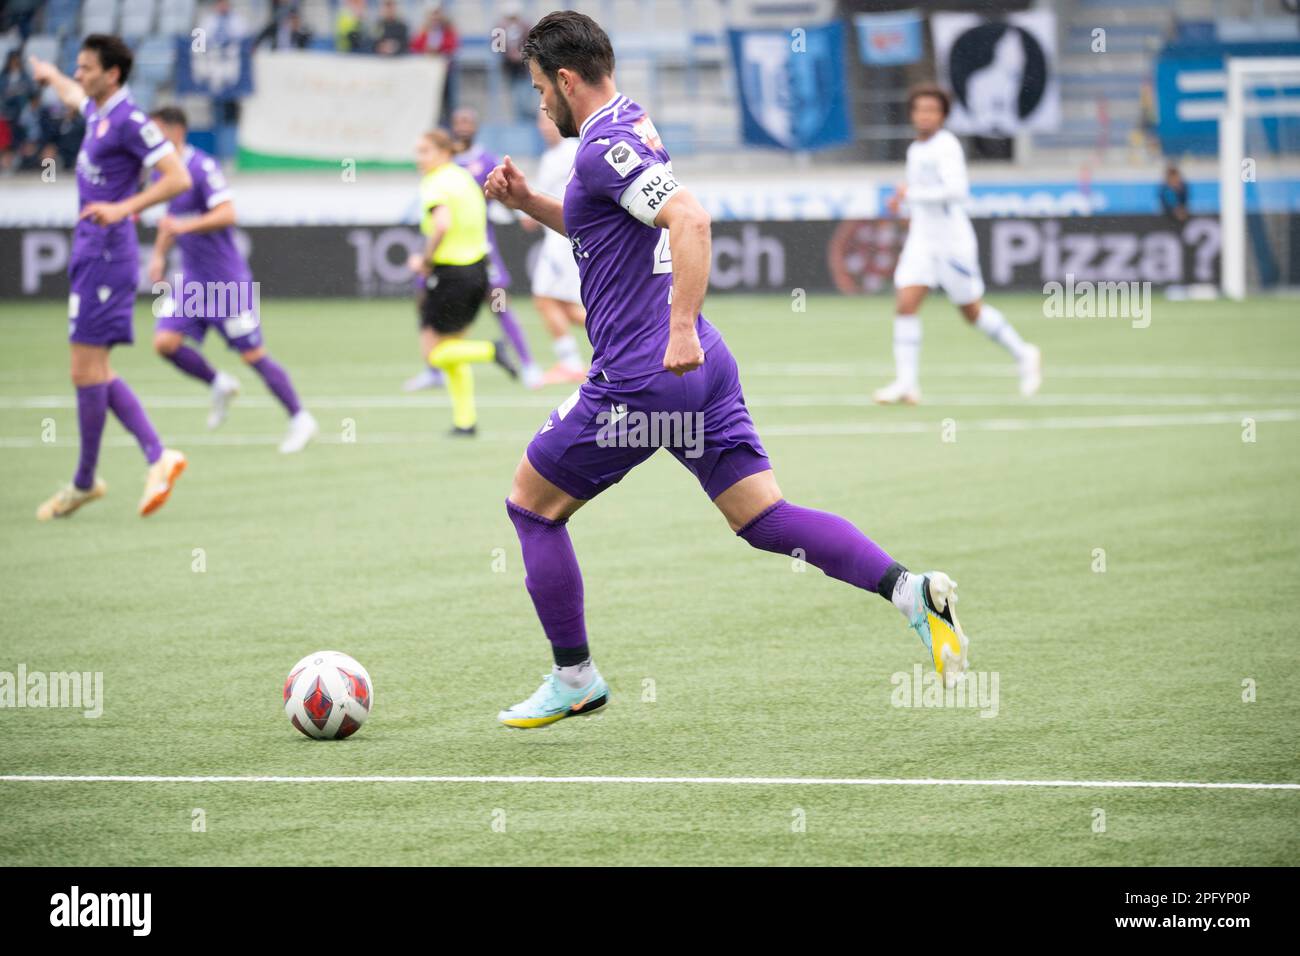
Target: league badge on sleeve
<point>623,158</point>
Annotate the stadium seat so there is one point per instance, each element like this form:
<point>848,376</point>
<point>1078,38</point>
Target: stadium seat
<point>61,17</point>
<point>68,49</point>
<point>138,17</point>
<point>155,60</point>
<point>99,16</point>
<point>41,45</point>
<point>176,17</point>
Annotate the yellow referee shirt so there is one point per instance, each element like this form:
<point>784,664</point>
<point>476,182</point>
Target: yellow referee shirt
<point>465,241</point>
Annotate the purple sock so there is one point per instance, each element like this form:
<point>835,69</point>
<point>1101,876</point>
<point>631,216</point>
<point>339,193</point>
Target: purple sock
<point>92,409</point>
<point>131,414</point>
<point>554,582</point>
<point>824,540</point>
<point>510,326</point>
<point>191,362</point>
<point>277,380</point>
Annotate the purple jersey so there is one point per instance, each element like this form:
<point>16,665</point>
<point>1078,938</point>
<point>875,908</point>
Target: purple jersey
<point>207,256</point>
<point>479,162</point>
<point>622,177</point>
<point>120,142</point>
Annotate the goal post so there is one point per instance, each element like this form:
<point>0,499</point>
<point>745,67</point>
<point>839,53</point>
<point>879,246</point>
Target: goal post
<point>1244,76</point>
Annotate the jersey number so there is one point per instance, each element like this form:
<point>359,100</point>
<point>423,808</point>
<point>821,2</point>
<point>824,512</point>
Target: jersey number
<point>663,254</point>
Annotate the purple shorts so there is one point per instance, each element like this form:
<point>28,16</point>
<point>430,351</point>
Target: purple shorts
<point>236,318</point>
<point>605,429</point>
<point>101,300</point>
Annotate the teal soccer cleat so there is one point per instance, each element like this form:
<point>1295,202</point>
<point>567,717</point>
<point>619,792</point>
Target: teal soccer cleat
<point>555,700</point>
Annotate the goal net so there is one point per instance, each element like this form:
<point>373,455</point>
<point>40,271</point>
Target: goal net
<point>1259,176</point>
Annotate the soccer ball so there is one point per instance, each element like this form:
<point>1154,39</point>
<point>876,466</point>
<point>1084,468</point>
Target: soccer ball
<point>328,695</point>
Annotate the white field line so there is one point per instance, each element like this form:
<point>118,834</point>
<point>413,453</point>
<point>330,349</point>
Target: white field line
<point>661,781</point>
<point>805,430</point>
<point>546,402</point>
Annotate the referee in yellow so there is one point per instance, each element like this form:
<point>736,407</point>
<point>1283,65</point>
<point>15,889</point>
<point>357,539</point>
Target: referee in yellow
<point>453,219</point>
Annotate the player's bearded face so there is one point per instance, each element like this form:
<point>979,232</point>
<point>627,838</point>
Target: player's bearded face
<point>553,101</point>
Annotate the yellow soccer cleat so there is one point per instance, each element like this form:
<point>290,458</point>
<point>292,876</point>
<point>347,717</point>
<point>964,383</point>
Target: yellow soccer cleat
<point>934,618</point>
<point>160,480</point>
<point>68,499</point>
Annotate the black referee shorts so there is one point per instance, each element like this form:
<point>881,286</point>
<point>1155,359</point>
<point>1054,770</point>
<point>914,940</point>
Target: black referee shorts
<point>452,295</point>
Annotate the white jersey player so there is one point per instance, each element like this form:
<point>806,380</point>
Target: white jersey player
<point>941,250</point>
<point>555,271</point>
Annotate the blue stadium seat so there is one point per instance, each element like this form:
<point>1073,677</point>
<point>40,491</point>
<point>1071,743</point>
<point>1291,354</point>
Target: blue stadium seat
<point>155,60</point>
<point>42,45</point>
<point>61,16</point>
<point>68,54</point>
<point>175,17</point>
<point>99,16</point>
<point>138,17</point>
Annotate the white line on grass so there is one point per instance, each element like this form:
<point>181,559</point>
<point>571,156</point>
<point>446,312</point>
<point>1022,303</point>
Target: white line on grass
<point>543,403</point>
<point>803,430</point>
<point>707,781</point>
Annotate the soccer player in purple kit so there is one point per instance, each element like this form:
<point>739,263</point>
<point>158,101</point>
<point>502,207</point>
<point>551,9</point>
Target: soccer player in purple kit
<point>201,222</point>
<point>643,249</point>
<point>119,143</point>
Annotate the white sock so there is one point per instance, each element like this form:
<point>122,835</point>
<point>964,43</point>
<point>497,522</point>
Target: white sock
<point>995,325</point>
<point>566,350</point>
<point>907,349</point>
<point>902,596</point>
<point>577,675</point>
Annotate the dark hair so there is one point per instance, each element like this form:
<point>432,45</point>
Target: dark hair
<point>112,52</point>
<point>569,40</point>
<point>932,90</point>
<point>171,116</point>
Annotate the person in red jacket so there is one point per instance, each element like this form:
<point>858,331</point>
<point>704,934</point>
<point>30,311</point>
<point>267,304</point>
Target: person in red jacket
<point>438,37</point>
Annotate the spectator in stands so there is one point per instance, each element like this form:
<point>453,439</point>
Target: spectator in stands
<point>19,13</point>
<point>34,134</point>
<point>394,34</point>
<point>222,25</point>
<point>351,35</point>
<point>438,37</point>
<point>16,87</point>
<point>285,30</point>
<point>513,29</point>
<point>1173,194</point>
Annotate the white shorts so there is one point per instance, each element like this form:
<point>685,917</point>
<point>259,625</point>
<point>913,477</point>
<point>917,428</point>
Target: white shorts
<point>953,266</point>
<point>555,274</point>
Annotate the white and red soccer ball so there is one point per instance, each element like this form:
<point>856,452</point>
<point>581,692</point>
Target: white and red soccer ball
<point>328,695</point>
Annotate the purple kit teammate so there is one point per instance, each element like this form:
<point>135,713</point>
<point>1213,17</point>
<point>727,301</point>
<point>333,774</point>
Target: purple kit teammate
<point>119,143</point>
<point>201,221</point>
<point>643,249</point>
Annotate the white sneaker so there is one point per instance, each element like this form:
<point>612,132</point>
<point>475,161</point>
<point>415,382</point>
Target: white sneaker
<point>896,393</point>
<point>429,378</point>
<point>1031,371</point>
<point>224,389</point>
<point>302,429</point>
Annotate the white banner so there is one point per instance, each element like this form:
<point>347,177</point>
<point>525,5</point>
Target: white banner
<point>328,106</point>
<point>1002,73</point>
